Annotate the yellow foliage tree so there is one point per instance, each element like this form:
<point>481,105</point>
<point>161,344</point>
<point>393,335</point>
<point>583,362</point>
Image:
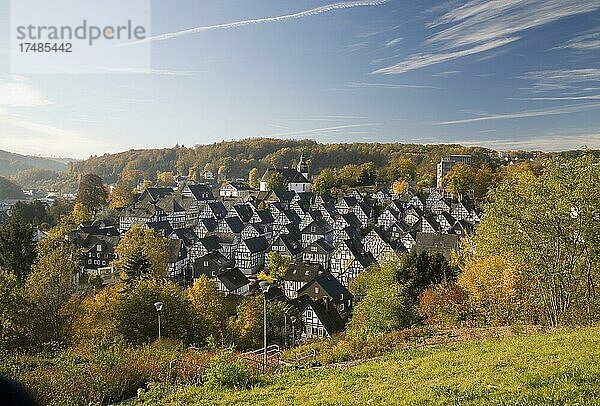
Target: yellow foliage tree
<point>120,196</point>
<point>492,284</point>
<point>399,187</point>
<point>152,244</point>
<point>208,302</point>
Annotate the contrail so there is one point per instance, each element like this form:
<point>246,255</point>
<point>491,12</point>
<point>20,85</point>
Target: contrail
<point>312,12</point>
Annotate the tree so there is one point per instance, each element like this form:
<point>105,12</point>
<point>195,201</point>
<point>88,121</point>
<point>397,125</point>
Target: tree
<point>400,187</point>
<point>381,311</point>
<point>277,181</point>
<point>136,266</point>
<point>95,322</point>
<point>419,270</point>
<point>165,179</point>
<point>92,193</point>
<point>485,179</point>
<point>491,283</point>
<point>253,180</point>
<point>460,179</point>
<point>33,213</point>
<point>549,222</point>
<point>402,170</point>
<point>49,291</point>
<point>136,316</point>
<point>210,308</point>
<point>152,245</point>
<point>278,265</point>
<point>17,249</point>
<point>121,195</point>
<point>324,182</point>
<point>13,310</point>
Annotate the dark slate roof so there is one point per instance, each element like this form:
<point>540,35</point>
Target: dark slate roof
<point>216,262</point>
<point>330,285</point>
<point>244,211</point>
<point>436,243</point>
<point>232,279</point>
<point>275,293</point>
<point>201,192</point>
<point>240,186</point>
<point>323,244</point>
<point>235,224</point>
<point>161,227</point>
<point>350,201</point>
<point>328,316</point>
<point>302,272</point>
<point>282,195</point>
<point>292,216</point>
<point>187,235</point>
<point>351,220</point>
<point>265,216</point>
<point>218,209</point>
<point>95,229</point>
<point>321,227</point>
<point>155,193</point>
<point>257,244</point>
<point>291,229</point>
<point>461,227</point>
<point>210,224</point>
<point>210,243</point>
<point>175,250</point>
<point>170,204</point>
<point>291,243</point>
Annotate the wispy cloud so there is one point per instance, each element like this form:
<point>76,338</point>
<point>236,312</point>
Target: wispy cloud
<point>562,80</point>
<point>527,113</point>
<point>287,17</point>
<point>18,93</point>
<point>548,143</point>
<point>446,74</point>
<point>479,26</point>
<point>321,131</point>
<point>393,42</point>
<point>360,85</point>
<point>585,42</point>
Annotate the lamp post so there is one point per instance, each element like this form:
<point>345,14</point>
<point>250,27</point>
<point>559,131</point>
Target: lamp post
<point>264,286</point>
<point>159,306</point>
<point>293,320</point>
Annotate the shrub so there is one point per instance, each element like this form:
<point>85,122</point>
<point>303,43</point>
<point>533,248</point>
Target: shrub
<point>225,371</point>
<point>445,305</point>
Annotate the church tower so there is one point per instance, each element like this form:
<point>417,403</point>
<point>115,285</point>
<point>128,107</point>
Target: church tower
<point>303,167</point>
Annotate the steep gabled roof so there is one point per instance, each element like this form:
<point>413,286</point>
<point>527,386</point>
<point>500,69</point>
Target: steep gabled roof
<point>257,244</point>
<point>291,243</point>
<point>328,316</point>
<point>302,272</point>
<point>201,192</point>
<point>235,224</point>
<point>232,279</point>
<point>210,243</point>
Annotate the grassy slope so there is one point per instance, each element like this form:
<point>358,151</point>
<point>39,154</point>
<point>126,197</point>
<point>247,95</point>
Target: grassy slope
<point>561,367</point>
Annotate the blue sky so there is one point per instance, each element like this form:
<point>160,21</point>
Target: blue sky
<point>505,74</point>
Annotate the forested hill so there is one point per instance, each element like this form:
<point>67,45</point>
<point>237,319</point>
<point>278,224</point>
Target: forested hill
<point>12,164</point>
<point>9,190</point>
<point>236,158</point>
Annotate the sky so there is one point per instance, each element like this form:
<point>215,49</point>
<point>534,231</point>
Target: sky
<point>505,74</point>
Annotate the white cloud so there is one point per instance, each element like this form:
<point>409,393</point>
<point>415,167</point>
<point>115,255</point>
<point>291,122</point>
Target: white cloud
<point>482,25</point>
<point>17,93</point>
<point>585,42</point>
<point>238,24</point>
<point>548,143</point>
<point>527,113</point>
<point>359,85</point>
<point>563,80</point>
<point>393,42</point>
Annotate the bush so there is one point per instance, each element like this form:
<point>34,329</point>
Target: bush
<point>445,305</point>
<point>225,371</point>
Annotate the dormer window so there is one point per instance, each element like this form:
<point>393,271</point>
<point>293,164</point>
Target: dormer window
<point>205,264</point>
<point>316,289</point>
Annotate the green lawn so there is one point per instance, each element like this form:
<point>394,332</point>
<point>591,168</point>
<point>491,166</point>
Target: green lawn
<point>562,367</point>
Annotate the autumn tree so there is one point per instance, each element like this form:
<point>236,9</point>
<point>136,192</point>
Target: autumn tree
<point>121,195</point>
<point>277,181</point>
<point>549,223</point>
<point>460,179</point>
<point>13,312</point>
<point>165,179</point>
<point>92,192</point>
<point>278,265</point>
<point>136,316</point>
<point>253,178</point>
<point>324,182</point>
<point>49,291</point>
<point>96,319</point>
<point>403,170</point>
<point>150,243</point>
<point>400,187</point>
<point>210,308</point>
<point>17,248</point>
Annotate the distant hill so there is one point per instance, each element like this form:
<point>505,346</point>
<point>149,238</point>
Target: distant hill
<point>11,164</point>
<point>10,190</point>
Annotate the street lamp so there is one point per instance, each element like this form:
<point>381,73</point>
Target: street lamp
<point>293,320</point>
<point>264,286</point>
<point>159,306</point>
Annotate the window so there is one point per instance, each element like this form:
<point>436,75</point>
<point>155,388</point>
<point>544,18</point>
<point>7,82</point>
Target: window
<point>342,307</point>
<point>341,296</point>
<point>316,289</point>
<point>313,249</point>
<point>98,247</point>
<point>205,264</point>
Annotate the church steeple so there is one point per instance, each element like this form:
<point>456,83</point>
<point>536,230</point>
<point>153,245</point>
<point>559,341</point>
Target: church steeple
<point>303,167</point>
